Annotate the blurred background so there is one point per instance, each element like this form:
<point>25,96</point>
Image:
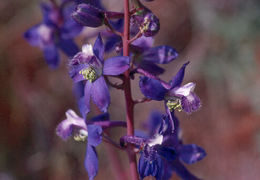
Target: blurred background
<point>221,40</point>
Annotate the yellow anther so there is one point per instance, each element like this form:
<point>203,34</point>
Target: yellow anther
<point>81,136</point>
<point>174,105</point>
<point>89,74</point>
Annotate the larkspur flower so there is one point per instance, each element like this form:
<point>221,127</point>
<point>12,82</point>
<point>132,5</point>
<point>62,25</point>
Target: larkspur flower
<point>90,66</point>
<point>77,127</point>
<point>162,151</point>
<point>145,21</point>
<point>56,31</point>
<point>175,96</point>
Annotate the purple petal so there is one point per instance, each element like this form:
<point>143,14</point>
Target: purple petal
<point>66,127</point>
<point>32,36</point>
<point>152,88</point>
<point>178,78</point>
<point>100,94</point>
<point>99,48</point>
<point>191,153</point>
<point>94,135</point>
<point>68,46</point>
<point>91,162</point>
<point>190,103</point>
<point>74,72</point>
<point>116,65</point>
<point>160,54</point>
<point>51,55</point>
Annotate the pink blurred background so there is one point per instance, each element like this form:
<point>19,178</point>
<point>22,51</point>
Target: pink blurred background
<point>221,40</point>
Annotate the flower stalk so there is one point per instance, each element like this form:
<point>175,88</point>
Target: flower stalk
<point>128,94</point>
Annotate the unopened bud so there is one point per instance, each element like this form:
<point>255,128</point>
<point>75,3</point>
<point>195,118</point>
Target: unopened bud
<point>88,15</point>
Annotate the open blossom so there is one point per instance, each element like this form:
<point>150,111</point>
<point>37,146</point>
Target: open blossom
<point>162,151</point>
<point>77,127</point>
<point>56,31</point>
<point>176,97</point>
<point>90,66</point>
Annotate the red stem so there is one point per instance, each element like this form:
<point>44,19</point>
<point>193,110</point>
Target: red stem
<point>128,94</point>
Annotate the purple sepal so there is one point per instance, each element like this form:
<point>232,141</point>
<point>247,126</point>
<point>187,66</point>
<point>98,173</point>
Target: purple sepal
<point>144,42</point>
<point>50,15</point>
<point>154,121</point>
<point>88,15</point>
<point>72,122</point>
<point>160,54</point>
<point>150,166</point>
<point>100,94</point>
<point>85,101</point>
<point>70,28</point>
<point>99,48</point>
<point>78,89</point>
<point>51,55</point>
<point>151,67</point>
<point>68,46</point>
<point>101,117</point>
<point>191,153</point>
<point>91,162</point>
<point>182,171</point>
<point>116,65</point>
<point>152,88</point>
<point>39,35</point>
<point>167,152</point>
<point>178,78</point>
<point>94,135</point>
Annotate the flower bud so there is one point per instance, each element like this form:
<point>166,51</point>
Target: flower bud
<point>88,15</point>
<point>150,25</point>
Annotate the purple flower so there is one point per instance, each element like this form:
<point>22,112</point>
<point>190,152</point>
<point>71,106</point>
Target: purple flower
<point>176,97</point>
<point>162,151</point>
<point>145,21</point>
<point>89,66</point>
<point>56,31</point>
<point>76,126</point>
<point>147,57</point>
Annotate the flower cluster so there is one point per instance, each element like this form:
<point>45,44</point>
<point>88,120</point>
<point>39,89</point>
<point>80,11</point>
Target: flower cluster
<point>129,35</point>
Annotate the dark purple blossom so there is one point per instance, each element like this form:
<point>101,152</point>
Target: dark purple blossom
<point>89,66</point>
<point>55,32</point>
<point>175,96</point>
<point>163,152</point>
